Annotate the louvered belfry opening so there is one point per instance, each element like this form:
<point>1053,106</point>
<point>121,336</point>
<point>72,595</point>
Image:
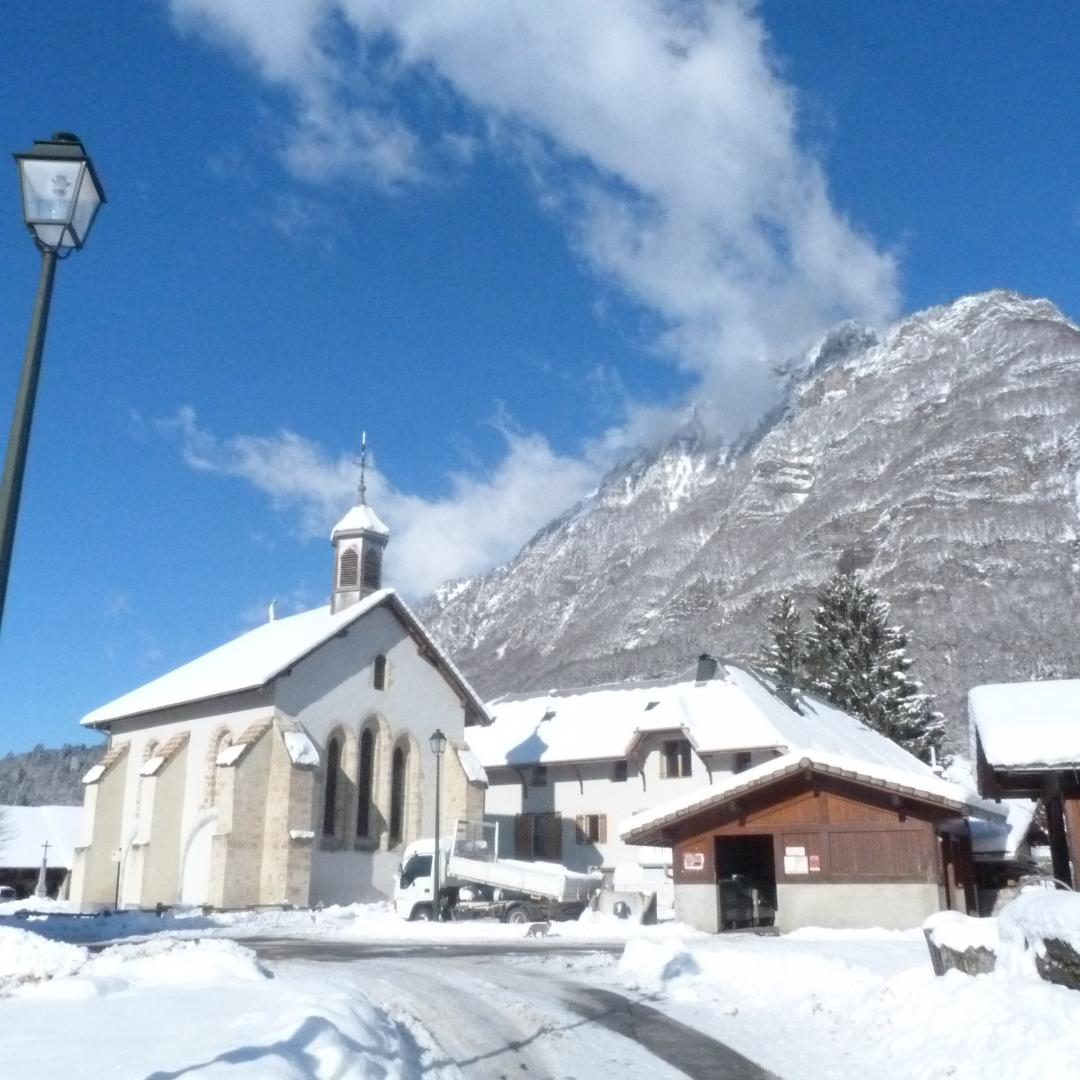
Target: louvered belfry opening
<point>372,568</point>
<point>349,569</point>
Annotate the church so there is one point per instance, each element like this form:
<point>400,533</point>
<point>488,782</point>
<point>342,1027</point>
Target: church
<point>289,765</point>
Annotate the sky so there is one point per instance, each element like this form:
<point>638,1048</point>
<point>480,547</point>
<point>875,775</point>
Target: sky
<point>514,242</point>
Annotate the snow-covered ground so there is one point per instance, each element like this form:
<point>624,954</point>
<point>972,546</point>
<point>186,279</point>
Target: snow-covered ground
<point>812,1004</point>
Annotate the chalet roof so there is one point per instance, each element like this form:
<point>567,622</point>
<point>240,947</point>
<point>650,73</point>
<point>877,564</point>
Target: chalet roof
<point>645,827</point>
<point>738,708</point>
<point>254,659</point>
<point>28,827</point>
<point>1028,726</point>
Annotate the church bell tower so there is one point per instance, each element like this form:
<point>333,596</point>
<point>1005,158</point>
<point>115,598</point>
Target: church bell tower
<point>359,540</point>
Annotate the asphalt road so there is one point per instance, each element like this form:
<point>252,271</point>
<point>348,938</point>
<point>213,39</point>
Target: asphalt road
<point>493,1016</point>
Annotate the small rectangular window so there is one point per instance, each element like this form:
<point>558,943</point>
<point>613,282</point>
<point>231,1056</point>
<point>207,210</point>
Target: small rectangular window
<point>538,777</point>
<point>675,758</point>
<point>742,761</point>
<point>619,772</point>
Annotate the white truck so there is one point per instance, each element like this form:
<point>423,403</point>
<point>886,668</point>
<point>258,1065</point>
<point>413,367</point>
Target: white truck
<point>476,883</point>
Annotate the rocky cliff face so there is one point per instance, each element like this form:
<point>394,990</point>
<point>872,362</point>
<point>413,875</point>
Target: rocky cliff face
<point>942,460</point>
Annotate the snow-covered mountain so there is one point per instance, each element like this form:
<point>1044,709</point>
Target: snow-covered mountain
<point>943,460</point>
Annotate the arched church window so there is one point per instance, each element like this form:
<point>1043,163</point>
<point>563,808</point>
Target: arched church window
<point>379,674</point>
<point>349,569</point>
<point>366,783</point>
<point>333,767</point>
<point>372,567</point>
<point>397,795</point>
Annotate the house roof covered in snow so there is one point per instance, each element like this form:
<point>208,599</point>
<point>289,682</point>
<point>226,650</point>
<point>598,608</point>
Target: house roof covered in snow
<point>254,659</point>
<point>1028,725</point>
<point>738,708</point>
<point>925,786</point>
<point>26,828</point>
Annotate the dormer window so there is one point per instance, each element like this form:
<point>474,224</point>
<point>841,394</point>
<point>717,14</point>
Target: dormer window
<point>349,569</point>
<point>379,674</point>
<point>372,570</point>
<point>675,758</point>
<point>538,776</point>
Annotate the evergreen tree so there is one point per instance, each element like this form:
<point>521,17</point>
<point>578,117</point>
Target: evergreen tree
<point>860,663</point>
<point>783,653</point>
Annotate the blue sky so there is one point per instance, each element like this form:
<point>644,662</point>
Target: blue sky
<point>511,241</point>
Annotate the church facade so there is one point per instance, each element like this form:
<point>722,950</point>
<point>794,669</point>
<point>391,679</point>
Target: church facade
<point>290,765</point>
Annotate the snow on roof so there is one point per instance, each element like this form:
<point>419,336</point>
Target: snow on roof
<point>470,765</point>
<point>927,785</point>
<point>26,828</point>
<point>360,519</point>
<point>1028,725</point>
<point>738,709</point>
<point>246,662</point>
<point>1003,838</point>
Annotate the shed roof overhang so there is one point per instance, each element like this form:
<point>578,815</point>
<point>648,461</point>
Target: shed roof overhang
<point>658,830</point>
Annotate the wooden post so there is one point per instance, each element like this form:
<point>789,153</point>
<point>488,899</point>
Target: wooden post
<point>1071,807</point>
<point>1059,842</point>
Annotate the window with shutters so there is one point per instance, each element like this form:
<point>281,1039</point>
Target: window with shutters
<point>675,758</point>
<point>538,836</point>
<point>372,569</point>
<point>592,828</point>
<point>349,569</point>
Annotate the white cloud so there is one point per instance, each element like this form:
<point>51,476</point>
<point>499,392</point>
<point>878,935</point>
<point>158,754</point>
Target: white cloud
<point>480,521</point>
<point>662,135</point>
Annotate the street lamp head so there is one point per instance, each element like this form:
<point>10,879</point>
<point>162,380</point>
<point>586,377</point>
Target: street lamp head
<point>438,742</point>
<point>61,192</point>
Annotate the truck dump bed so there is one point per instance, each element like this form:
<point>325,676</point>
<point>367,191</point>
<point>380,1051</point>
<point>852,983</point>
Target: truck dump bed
<point>548,880</point>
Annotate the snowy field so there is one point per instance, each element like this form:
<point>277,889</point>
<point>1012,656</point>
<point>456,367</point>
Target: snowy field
<point>177,998</point>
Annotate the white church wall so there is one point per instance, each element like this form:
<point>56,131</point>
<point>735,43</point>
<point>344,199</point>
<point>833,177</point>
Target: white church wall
<point>334,687</point>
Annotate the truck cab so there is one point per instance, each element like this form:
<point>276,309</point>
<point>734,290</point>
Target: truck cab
<point>413,887</point>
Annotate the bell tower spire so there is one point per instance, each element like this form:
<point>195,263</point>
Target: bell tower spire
<point>359,540</point>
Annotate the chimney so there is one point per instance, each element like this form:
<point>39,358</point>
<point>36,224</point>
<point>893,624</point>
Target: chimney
<point>706,668</point>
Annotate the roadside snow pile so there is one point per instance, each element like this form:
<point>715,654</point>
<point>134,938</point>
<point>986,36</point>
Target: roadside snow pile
<point>1040,932</point>
<point>26,957</point>
<point>798,1006</point>
<point>168,1007</point>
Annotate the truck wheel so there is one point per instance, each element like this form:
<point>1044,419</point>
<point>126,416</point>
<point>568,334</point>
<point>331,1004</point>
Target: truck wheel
<point>518,915</point>
<point>422,913</point>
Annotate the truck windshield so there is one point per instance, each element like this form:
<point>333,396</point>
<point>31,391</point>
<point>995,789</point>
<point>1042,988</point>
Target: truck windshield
<point>419,866</point>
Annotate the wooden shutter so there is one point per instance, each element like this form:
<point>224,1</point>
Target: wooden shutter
<point>552,834</point>
<point>581,833</point>
<point>523,836</point>
<point>602,831</point>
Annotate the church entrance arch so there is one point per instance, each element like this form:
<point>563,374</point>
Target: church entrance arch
<point>195,875</point>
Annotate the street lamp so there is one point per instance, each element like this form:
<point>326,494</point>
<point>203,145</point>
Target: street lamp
<point>61,195</point>
<point>438,748</point>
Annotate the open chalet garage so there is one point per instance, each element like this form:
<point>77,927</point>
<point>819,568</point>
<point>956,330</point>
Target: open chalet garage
<point>813,839</point>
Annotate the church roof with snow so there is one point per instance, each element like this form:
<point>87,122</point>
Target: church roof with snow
<point>253,659</point>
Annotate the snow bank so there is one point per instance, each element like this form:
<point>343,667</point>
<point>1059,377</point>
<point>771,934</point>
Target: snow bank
<point>27,957</point>
<point>862,1007</point>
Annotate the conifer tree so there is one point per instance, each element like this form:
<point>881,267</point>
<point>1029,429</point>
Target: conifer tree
<point>860,663</point>
<point>783,652</point>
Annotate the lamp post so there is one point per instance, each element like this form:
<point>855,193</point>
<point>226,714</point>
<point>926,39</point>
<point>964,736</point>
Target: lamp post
<point>61,195</point>
<point>438,747</point>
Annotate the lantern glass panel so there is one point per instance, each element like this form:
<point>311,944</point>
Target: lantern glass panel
<point>49,190</point>
<point>86,206</point>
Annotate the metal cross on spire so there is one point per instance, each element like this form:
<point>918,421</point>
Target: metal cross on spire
<point>363,468</point>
